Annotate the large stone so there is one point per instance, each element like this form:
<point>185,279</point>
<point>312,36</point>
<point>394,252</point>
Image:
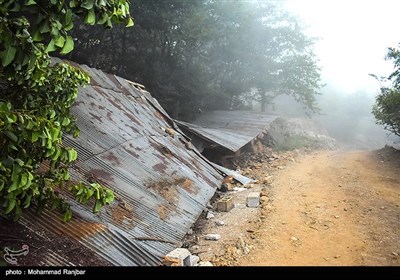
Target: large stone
<point>177,257</point>
<point>253,199</point>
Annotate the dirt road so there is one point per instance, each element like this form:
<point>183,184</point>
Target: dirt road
<point>332,208</point>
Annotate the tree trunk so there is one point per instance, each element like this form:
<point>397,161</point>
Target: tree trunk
<point>263,102</point>
<point>123,52</point>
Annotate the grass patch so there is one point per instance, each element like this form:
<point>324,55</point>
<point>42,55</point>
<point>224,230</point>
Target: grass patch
<point>296,142</point>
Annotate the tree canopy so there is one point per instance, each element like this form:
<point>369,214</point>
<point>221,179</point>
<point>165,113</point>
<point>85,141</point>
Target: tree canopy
<point>387,107</point>
<point>205,55</point>
<point>36,97</point>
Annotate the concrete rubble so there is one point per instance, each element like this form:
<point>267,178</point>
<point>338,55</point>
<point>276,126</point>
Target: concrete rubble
<point>212,236</point>
<point>225,204</point>
<point>181,257</point>
<point>210,215</point>
<point>253,199</point>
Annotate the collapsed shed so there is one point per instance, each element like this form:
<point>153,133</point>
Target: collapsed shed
<point>129,144</point>
<point>227,133</point>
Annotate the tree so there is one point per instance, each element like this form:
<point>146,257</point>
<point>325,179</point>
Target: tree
<point>387,106</point>
<point>205,55</point>
<point>272,52</point>
<point>35,101</point>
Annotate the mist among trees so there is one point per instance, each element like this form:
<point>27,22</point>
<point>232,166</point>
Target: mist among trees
<point>195,56</point>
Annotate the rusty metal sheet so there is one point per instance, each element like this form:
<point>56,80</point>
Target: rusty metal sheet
<point>236,175</point>
<point>229,129</point>
<point>226,138</point>
<point>129,144</point>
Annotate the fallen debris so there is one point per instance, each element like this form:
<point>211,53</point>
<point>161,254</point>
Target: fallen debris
<point>238,177</point>
<point>209,215</point>
<point>253,199</point>
<point>194,260</point>
<point>212,236</point>
<point>225,204</point>
<point>177,257</point>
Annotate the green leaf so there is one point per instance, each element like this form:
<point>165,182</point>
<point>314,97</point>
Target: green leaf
<point>97,206</point>
<point>17,213</point>
<point>130,22</point>
<point>59,42</point>
<point>68,17</point>
<point>27,201</point>
<point>16,172</point>
<point>89,193</point>
<point>24,180</point>
<point>11,205</point>
<point>109,196</point>
<point>69,45</point>
<point>51,47</point>
<point>53,113</point>
<point>97,191</point>
<point>29,125</point>
<point>35,136</point>
<point>90,17</point>
<point>56,154</point>
<point>11,135</point>
<point>80,191</point>
<point>11,118</point>
<point>1,185</point>
<point>103,19</point>
<point>72,155</point>
<point>88,4</point>
<point>7,56</point>
<point>30,2</point>
<point>67,215</point>
<point>21,118</point>
<point>4,107</point>
<point>66,121</point>
<point>69,26</point>
<point>28,182</point>
<point>44,27</point>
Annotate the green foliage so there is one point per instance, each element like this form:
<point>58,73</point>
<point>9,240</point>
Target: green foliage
<point>387,106</point>
<point>296,142</point>
<point>36,100</point>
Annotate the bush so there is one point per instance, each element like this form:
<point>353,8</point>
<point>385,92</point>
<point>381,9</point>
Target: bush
<point>387,106</point>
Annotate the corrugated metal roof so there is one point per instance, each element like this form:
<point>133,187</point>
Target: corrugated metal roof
<point>161,186</point>
<point>229,129</point>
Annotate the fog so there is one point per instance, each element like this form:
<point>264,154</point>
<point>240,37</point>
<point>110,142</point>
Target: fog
<point>346,117</point>
<point>353,37</point>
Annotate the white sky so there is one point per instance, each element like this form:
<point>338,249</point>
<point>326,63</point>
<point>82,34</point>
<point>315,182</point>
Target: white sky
<point>354,37</point>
